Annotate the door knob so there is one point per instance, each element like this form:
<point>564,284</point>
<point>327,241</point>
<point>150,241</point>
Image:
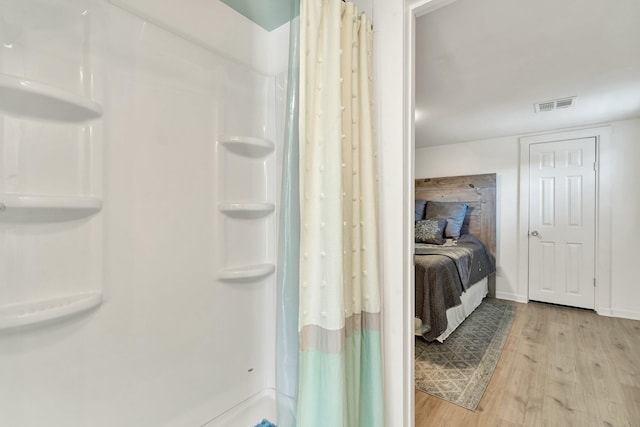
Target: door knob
<point>535,233</point>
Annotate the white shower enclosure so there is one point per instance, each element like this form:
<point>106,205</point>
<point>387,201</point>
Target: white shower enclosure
<point>139,176</point>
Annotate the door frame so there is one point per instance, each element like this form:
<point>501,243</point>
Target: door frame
<point>411,10</point>
<point>604,184</point>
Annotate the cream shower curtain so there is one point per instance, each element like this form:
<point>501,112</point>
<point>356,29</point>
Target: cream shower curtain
<point>340,369</point>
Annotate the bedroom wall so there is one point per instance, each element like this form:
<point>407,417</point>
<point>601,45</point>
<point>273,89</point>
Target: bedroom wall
<point>501,155</point>
<point>625,292</point>
<point>478,157</point>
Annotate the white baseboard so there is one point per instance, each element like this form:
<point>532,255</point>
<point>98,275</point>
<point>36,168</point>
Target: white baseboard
<point>512,297</point>
<point>623,314</point>
<point>602,311</point>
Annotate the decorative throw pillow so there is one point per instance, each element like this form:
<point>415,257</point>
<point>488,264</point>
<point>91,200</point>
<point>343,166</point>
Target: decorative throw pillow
<point>453,212</point>
<point>420,205</point>
<point>430,231</point>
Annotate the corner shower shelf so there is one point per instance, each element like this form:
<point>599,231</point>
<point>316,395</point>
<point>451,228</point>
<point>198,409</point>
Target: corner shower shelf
<point>246,210</point>
<point>246,145</point>
<point>247,272</point>
<point>23,208</point>
<point>29,313</point>
<point>36,100</point>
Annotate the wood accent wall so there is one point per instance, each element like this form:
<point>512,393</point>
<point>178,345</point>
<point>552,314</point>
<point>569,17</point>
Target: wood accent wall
<point>479,191</point>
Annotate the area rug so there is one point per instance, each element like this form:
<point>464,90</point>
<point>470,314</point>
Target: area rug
<point>460,369</point>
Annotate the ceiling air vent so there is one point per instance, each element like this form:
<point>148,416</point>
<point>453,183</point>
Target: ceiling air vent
<point>546,106</point>
<point>555,104</point>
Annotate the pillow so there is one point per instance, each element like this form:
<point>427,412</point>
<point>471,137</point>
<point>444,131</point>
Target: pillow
<point>430,231</point>
<point>420,204</point>
<point>453,212</point>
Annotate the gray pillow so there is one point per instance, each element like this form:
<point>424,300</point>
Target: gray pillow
<point>453,212</point>
<point>420,204</point>
<point>430,231</point>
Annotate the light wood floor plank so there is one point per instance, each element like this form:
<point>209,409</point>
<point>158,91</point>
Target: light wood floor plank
<point>560,367</point>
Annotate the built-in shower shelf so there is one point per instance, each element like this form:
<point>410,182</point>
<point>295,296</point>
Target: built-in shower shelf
<point>246,210</point>
<point>31,99</point>
<point>246,145</point>
<point>24,208</point>
<point>29,313</point>
<point>247,272</point>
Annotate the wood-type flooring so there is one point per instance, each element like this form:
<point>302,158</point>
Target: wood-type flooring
<point>560,367</point>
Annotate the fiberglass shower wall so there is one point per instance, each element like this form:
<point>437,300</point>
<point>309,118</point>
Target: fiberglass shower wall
<point>156,210</point>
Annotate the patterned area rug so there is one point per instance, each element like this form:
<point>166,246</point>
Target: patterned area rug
<point>459,369</point>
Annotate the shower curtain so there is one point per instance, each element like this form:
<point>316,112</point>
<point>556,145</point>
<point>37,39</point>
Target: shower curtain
<point>340,369</point>
<point>289,244</point>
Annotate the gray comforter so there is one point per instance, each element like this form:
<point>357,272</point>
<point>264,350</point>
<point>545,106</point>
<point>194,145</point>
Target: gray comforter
<point>442,274</point>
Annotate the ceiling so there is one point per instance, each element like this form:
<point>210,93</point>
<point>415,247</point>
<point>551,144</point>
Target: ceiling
<point>481,65</point>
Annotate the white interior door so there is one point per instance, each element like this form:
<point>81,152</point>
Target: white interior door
<point>562,222</point>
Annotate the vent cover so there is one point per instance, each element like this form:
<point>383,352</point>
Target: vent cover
<point>555,104</point>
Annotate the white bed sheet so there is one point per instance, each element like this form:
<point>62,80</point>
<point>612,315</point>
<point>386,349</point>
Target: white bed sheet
<point>471,299</point>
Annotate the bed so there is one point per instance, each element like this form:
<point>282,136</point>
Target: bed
<point>455,250</point>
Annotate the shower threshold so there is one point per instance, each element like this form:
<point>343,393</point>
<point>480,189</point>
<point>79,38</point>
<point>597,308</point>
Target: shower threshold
<point>250,412</point>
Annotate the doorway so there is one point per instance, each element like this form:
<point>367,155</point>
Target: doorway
<point>562,195</point>
<point>582,271</point>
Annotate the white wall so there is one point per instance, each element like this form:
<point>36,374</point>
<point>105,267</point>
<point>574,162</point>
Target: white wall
<point>171,345</point>
<point>501,155</point>
<point>365,6</point>
<point>389,63</point>
<point>218,27</point>
<point>625,293</point>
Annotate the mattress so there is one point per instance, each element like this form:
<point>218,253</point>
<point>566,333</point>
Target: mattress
<point>470,299</point>
<point>443,275</point>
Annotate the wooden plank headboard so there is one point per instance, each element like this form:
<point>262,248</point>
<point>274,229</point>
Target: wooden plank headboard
<point>479,191</point>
